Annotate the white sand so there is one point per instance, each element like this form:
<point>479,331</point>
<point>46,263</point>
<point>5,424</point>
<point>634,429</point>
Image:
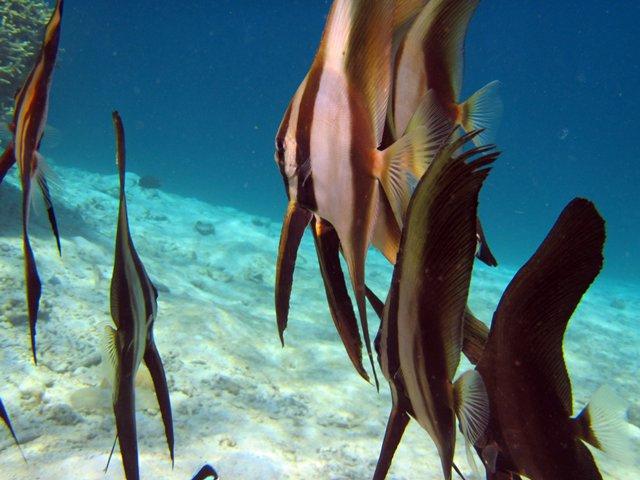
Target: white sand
<point>240,401</point>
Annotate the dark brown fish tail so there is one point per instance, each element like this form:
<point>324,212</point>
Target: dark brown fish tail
<point>6,161</point>
<point>295,222</point>
<point>32,279</point>
<point>154,364</point>
<point>327,248</point>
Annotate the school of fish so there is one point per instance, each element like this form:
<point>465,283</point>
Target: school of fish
<point>376,148</point>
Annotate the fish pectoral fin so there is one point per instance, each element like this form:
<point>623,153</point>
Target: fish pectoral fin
<point>154,363</point>
<point>602,424</point>
<point>430,115</point>
<point>111,349</point>
<point>41,177</point>
<point>482,111</point>
<point>471,404</point>
<point>7,160</point>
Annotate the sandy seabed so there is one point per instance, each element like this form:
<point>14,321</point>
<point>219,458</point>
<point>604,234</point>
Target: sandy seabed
<point>240,401</point>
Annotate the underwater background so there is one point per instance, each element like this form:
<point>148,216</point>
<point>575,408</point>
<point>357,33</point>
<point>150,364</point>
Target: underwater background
<point>202,86</point>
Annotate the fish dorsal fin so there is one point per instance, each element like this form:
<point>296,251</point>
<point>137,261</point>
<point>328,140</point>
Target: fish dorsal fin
<point>534,311</point>
<point>440,30</point>
<point>438,245</point>
<point>357,41</point>
<point>120,151</point>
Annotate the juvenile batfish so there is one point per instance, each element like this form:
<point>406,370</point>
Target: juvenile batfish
<point>29,119</point>
<point>326,147</point>
<point>421,335</point>
<point>531,431</point>
<point>133,309</point>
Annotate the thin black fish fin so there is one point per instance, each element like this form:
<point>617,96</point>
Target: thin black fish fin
<point>44,187</point>
<point>536,306</point>
<point>124,409</point>
<point>295,221</point>
<point>7,160</point>
<point>154,363</point>
<point>206,471</point>
<point>457,470</point>
<point>484,253</point>
<point>32,279</point>
<point>396,424</point>
<point>375,302</point>
<point>327,248</point>
<point>475,335</point>
<point>113,448</point>
<point>5,418</point>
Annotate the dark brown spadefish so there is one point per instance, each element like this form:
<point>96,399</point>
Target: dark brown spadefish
<point>133,309</point>
<point>421,336</point>
<point>29,119</point>
<point>531,431</point>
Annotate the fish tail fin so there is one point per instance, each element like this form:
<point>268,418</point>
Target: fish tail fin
<point>428,130</point>
<point>5,418</point>
<point>6,161</point>
<point>472,408</point>
<point>482,110</point>
<point>602,424</point>
<point>295,221</point>
<point>154,363</point>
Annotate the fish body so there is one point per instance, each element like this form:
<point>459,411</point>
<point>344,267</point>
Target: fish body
<point>29,120</point>
<point>531,431</point>
<point>421,335</point>
<point>133,309</point>
<point>326,146</point>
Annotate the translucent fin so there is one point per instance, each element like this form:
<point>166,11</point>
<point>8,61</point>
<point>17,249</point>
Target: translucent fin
<point>110,342</point>
<point>41,178</point>
<point>472,409</point>
<point>483,110</point>
<point>602,424</point>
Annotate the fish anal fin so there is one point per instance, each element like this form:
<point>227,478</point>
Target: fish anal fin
<point>32,282</point>
<point>472,409</point>
<point>396,425</point>
<point>327,248</point>
<point>602,424</point>
<point>483,110</point>
<point>386,232</point>
<point>7,160</point>
<point>154,363</point>
<point>125,413</point>
<point>295,221</point>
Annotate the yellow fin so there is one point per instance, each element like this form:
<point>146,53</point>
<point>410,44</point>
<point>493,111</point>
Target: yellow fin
<point>472,408</point>
<point>426,133</point>
<point>482,111</point>
<point>110,356</point>
<point>602,424</point>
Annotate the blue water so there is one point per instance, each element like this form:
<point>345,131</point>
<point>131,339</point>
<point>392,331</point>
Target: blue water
<point>202,86</point>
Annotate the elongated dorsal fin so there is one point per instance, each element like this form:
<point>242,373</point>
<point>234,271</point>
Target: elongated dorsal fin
<point>536,306</point>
